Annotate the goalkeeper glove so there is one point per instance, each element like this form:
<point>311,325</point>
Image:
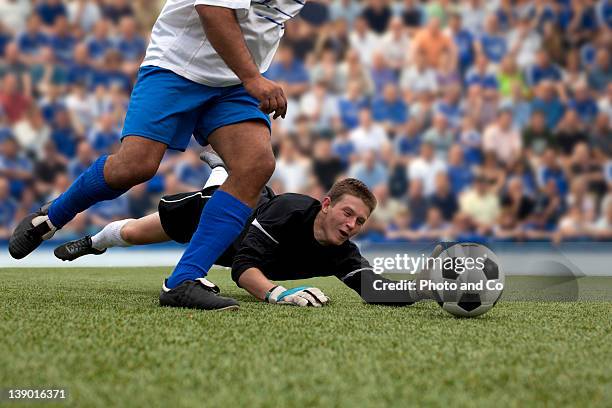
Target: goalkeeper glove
<point>300,296</point>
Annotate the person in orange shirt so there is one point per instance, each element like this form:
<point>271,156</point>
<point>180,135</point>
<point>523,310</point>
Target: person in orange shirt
<point>432,43</point>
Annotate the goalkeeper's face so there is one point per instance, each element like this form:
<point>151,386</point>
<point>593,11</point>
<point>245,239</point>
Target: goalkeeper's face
<point>343,219</point>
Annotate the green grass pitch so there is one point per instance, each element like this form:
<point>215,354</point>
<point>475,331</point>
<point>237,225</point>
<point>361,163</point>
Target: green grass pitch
<point>100,334</point>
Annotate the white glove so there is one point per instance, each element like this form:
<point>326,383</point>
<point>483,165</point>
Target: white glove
<point>301,296</point>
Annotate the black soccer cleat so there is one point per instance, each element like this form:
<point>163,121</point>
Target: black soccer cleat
<point>197,294</point>
<point>212,159</point>
<point>76,249</point>
<point>31,232</point>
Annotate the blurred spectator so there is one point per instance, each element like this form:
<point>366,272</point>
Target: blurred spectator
<point>31,40</point>
<point>600,75</point>
<point>377,13</point>
<point>14,13</point>
<point>85,156</point>
<point>481,203</point>
<point>32,132</point>
<point>431,42</point>
<point>464,41</point>
<point>368,135</point>
<point>440,135</point>
<point>418,77</point>
<point>50,10</point>
<point>394,43</point>
<point>492,42</point>
<point>502,138</point>
<point>369,170</point>
<point>116,9</point>
<point>191,172</point>
<point>443,197</point>
<point>98,43</point>
<point>390,109</point>
<point>15,167</point>
<point>321,108</point>
<point>417,202</point>
<point>61,40</point>
<point>292,168</point>
<point>105,136</point>
<point>546,100</point>
<point>362,38</point>
<point>288,69</point>
<point>8,209</point>
<point>570,132</point>
<point>13,102</point>
<point>542,69</point>
<point>460,175</point>
<point>84,13</point>
<point>537,137</point>
<point>51,165</point>
<point>425,168</point>
<point>326,167</point>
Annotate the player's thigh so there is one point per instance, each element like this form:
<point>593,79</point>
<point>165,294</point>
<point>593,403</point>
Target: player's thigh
<point>243,145</point>
<point>145,230</point>
<point>165,107</point>
<point>238,130</point>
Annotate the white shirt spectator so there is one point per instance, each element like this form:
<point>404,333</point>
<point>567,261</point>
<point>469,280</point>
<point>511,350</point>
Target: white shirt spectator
<point>85,14</point>
<point>426,171</point>
<point>528,47</point>
<point>395,48</point>
<point>294,174</point>
<point>321,109</point>
<point>418,81</point>
<point>371,138</point>
<point>30,138</point>
<point>15,13</point>
<point>506,144</point>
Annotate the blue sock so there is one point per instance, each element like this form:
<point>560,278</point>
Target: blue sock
<point>220,224</point>
<point>87,190</point>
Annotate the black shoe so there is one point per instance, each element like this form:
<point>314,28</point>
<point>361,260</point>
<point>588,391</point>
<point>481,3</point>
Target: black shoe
<point>30,233</point>
<point>197,294</point>
<point>212,159</point>
<point>76,249</point>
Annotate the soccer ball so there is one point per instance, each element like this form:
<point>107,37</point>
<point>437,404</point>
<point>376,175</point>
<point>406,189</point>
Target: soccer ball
<point>467,279</point>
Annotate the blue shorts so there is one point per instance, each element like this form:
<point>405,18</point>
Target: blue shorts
<point>168,108</point>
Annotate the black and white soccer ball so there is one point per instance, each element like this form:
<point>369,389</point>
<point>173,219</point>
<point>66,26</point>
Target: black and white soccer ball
<point>470,290</point>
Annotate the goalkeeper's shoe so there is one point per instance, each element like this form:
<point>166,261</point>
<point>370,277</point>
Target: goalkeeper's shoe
<point>196,294</point>
<point>212,159</point>
<point>31,232</point>
<point>76,249</point>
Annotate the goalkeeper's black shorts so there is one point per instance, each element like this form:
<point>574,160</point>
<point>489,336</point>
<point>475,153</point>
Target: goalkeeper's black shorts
<point>180,213</point>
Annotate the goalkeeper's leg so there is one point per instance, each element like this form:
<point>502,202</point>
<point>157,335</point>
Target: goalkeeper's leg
<point>123,233</point>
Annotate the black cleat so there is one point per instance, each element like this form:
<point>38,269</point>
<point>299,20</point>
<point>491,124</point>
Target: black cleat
<point>30,233</point>
<point>197,294</point>
<point>76,249</point>
<point>212,159</point>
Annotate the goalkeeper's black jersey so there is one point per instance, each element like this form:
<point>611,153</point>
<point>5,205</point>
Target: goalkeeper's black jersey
<point>279,240</point>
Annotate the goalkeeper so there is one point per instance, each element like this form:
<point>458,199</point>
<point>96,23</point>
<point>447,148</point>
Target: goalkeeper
<point>289,236</point>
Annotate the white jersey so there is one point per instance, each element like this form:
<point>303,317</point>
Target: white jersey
<point>178,42</point>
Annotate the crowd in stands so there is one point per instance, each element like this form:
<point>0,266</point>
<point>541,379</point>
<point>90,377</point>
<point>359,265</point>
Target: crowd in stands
<point>469,119</point>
